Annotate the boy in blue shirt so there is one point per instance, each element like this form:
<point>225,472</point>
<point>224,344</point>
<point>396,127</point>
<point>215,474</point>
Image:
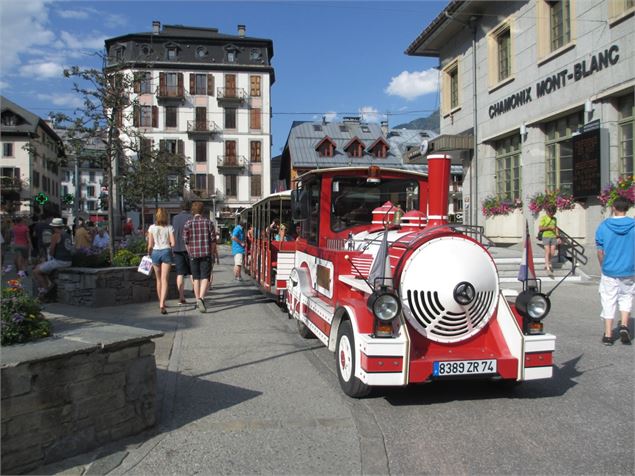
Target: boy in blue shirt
<point>238,250</point>
<point>615,241</point>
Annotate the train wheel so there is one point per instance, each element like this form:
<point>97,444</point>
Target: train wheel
<point>304,331</point>
<point>345,362</point>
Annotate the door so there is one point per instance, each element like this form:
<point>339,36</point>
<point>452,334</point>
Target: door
<point>201,118</point>
<point>230,153</point>
<point>230,85</point>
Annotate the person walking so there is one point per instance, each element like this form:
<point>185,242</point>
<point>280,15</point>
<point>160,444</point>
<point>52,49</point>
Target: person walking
<point>198,235</point>
<point>21,241</point>
<point>181,258</point>
<point>82,236</point>
<point>549,228</point>
<point>59,253</point>
<point>615,242</point>
<point>160,244</point>
<point>238,250</point>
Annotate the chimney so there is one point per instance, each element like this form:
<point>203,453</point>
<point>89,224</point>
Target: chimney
<point>241,30</point>
<point>438,186</point>
<point>156,26</point>
<point>384,128</point>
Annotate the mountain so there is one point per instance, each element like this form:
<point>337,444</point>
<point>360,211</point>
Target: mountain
<point>430,123</point>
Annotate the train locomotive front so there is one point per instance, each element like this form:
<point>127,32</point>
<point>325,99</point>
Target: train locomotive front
<point>417,300</point>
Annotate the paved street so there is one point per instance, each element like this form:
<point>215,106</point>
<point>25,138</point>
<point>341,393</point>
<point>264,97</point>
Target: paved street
<point>242,393</point>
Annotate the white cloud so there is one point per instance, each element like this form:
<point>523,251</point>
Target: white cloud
<point>23,25</point>
<point>4,86</point>
<point>412,85</point>
<point>42,69</point>
<point>330,116</point>
<point>371,114</point>
<point>111,20</point>
<point>68,100</point>
<point>79,14</point>
<point>77,43</point>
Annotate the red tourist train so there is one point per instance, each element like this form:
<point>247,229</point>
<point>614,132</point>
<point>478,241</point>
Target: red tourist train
<point>382,279</point>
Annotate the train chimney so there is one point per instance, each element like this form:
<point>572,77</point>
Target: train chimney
<point>241,30</point>
<point>438,186</point>
<point>156,26</point>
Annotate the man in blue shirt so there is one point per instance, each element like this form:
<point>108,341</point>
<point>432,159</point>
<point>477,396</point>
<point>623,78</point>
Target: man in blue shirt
<point>238,250</point>
<point>615,241</point>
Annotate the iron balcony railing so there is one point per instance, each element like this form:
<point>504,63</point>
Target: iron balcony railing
<point>231,161</point>
<point>231,94</point>
<point>203,127</point>
<point>170,92</point>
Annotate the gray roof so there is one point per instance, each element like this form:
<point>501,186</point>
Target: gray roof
<point>27,122</point>
<point>305,136</point>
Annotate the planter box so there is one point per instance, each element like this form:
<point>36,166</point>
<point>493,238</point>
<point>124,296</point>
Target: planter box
<point>572,222</point>
<point>505,228</point>
<point>98,287</point>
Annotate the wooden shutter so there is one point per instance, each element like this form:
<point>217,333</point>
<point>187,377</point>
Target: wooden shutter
<point>193,84</point>
<point>210,84</point>
<point>136,116</point>
<point>211,189</point>
<point>155,116</point>
<point>180,147</point>
<point>118,118</point>
<point>180,83</point>
<point>162,85</point>
<point>136,83</point>
<point>254,118</point>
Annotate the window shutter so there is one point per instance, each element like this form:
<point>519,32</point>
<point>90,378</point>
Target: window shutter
<point>180,147</point>
<point>210,184</point>
<point>180,83</point>
<point>210,84</point>
<point>193,83</point>
<point>155,116</point>
<point>136,116</point>
<point>162,88</point>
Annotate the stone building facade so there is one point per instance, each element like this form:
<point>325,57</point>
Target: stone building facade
<point>546,89</point>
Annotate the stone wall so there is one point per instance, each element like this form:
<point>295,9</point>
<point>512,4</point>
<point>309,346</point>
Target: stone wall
<point>69,394</point>
<point>97,287</point>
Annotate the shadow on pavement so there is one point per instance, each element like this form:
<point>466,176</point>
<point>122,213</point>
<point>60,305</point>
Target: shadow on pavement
<point>465,390</point>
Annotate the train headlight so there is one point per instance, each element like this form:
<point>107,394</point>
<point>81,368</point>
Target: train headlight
<point>384,305</point>
<point>533,305</point>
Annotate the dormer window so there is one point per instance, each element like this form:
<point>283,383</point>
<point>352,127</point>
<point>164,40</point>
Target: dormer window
<point>201,53</point>
<point>119,50</point>
<point>354,148</point>
<point>9,119</point>
<point>171,53</point>
<point>146,50</point>
<point>326,147</point>
<point>231,53</point>
<point>379,148</point>
<point>231,57</point>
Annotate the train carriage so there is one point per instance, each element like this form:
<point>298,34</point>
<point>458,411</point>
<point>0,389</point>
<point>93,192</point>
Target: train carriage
<point>400,295</point>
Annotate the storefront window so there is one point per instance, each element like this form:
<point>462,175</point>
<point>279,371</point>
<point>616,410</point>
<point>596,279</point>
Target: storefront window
<point>508,168</point>
<point>626,127</point>
<point>558,153</point>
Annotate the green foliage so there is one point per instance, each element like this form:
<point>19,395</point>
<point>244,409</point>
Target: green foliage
<point>22,318</point>
<point>124,257</point>
<point>135,244</point>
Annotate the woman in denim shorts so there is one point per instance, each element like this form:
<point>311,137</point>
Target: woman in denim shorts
<point>160,243</point>
<point>549,228</point>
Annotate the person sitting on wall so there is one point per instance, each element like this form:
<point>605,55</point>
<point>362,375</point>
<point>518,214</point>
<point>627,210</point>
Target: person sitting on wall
<point>59,253</point>
<point>102,239</point>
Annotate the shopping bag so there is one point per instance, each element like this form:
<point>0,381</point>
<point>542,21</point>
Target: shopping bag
<point>145,267</point>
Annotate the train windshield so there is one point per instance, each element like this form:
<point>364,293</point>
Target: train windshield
<point>353,199</point>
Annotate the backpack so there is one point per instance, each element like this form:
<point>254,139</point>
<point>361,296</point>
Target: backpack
<point>47,233</point>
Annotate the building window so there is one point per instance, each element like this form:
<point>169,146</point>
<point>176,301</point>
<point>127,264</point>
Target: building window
<point>256,186</point>
<point>450,87</point>
<point>254,86</point>
<point>145,83</point>
<point>91,205</point>
<point>503,46</point>
<point>201,150</point>
<point>200,182</point>
<point>90,191</point>
<point>619,9</point>
<point>171,53</point>
<point>36,178</point>
<point>508,178</point>
<point>146,116</point>
<point>199,85</point>
<point>254,118</point>
<point>255,151</point>
<point>231,186</point>
<point>559,23</point>
<point>172,84</point>
<point>170,146</point>
<point>231,57</point>
<point>7,149</point>
<point>626,126</point>
<point>559,154</point>
<point>9,119</point>
<point>170,116</point>
<point>230,118</point>
<point>91,177</point>
<point>119,53</point>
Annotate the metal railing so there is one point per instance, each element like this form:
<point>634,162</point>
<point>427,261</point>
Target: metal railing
<point>572,250</point>
<point>202,126</point>
<point>237,94</point>
<point>231,161</point>
<point>177,92</point>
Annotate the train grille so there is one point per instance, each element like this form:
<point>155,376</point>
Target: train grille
<point>427,309</point>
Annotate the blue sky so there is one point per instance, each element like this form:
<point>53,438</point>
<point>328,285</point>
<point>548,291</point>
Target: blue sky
<point>341,58</point>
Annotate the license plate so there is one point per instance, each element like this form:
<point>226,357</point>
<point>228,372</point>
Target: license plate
<point>464,367</point>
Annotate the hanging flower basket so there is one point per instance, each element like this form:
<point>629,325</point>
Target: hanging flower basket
<point>625,187</point>
<point>495,206</point>
<point>555,199</point>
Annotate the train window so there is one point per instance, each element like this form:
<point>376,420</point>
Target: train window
<point>353,199</point>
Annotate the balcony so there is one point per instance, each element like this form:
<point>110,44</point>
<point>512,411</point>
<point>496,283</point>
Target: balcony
<point>202,128</point>
<point>231,164</point>
<point>228,97</point>
<point>169,93</point>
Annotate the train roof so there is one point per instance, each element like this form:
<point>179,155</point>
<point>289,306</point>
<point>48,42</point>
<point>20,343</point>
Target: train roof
<point>360,169</point>
<point>283,194</point>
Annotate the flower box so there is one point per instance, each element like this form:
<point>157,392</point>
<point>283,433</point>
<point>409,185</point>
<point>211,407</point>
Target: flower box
<point>505,228</point>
